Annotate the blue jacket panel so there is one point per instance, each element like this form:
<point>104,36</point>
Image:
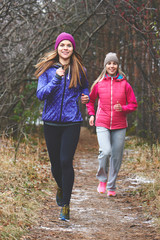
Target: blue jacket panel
<point>60,101</point>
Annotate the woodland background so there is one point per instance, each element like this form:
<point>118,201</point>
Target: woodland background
<point>131,28</point>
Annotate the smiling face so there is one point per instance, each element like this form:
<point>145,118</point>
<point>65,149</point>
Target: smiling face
<point>65,50</point>
<point>111,68</point>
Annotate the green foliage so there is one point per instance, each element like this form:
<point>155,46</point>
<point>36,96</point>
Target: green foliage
<point>28,109</point>
<point>154,26</point>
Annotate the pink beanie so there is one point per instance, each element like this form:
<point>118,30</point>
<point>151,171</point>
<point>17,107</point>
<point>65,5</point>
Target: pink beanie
<point>64,36</point>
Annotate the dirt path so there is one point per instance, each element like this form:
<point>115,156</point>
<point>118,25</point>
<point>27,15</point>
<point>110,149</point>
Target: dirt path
<point>94,216</point>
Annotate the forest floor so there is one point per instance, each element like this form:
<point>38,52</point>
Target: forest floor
<point>94,215</point>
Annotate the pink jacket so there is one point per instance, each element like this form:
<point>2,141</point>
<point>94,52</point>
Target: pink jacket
<point>109,92</point>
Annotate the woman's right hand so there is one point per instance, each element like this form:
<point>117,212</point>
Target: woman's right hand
<point>60,71</point>
<point>91,121</point>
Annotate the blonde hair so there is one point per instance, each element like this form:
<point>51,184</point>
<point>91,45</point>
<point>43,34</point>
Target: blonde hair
<point>102,75</point>
<point>77,68</point>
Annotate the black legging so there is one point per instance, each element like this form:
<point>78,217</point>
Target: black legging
<point>61,144</point>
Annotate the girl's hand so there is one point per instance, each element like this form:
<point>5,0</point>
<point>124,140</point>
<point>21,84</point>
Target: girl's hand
<point>60,71</point>
<point>91,121</point>
<point>118,107</point>
<point>84,99</point>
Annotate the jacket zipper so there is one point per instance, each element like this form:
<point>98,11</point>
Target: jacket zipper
<point>111,102</point>
<point>62,98</point>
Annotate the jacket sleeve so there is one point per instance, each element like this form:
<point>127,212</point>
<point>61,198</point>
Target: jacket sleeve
<point>45,87</point>
<point>131,100</point>
<point>93,96</point>
<point>85,90</point>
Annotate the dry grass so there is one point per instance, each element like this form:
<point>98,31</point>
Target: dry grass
<point>22,186</point>
<point>145,162</point>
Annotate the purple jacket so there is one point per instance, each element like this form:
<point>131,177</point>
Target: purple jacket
<point>60,101</point>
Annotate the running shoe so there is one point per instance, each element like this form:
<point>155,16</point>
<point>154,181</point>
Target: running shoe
<point>102,187</point>
<point>111,193</point>
<point>64,215</point>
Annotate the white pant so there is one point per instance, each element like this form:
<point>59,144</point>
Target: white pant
<point>111,145</point>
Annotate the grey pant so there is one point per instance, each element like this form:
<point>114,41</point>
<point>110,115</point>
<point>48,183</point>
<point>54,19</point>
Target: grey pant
<point>111,145</point>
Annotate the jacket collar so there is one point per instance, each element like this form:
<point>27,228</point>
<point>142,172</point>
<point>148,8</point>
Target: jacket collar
<point>118,77</point>
<point>57,65</point>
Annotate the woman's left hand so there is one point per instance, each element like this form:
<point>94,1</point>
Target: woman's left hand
<point>84,99</point>
<point>118,107</point>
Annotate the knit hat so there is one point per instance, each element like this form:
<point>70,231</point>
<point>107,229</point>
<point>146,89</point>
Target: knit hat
<point>111,57</point>
<point>64,36</point>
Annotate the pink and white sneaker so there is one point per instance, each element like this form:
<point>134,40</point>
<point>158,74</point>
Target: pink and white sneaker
<point>101,187</point>
<point>111,193</point>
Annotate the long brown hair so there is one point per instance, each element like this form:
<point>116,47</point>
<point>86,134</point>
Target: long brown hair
<point>78,74</point>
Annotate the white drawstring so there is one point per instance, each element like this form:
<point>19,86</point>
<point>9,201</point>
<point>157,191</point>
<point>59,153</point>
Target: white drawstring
<point>68,72</point>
